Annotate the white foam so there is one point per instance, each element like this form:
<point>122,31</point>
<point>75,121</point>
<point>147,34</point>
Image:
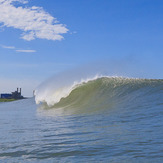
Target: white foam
<point>52,94</point>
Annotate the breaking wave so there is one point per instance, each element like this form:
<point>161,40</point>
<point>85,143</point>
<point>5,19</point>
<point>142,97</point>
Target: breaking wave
<point>100,92</point>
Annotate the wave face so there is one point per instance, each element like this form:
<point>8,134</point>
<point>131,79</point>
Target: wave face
<point>104,93</point>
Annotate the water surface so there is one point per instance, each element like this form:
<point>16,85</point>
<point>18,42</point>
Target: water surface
<point>127,128</point>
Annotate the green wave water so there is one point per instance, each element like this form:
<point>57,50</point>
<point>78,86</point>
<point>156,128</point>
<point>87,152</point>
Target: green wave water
<point>107,93</point>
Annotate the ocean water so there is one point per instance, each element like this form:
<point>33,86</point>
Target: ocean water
<point>106,119</point>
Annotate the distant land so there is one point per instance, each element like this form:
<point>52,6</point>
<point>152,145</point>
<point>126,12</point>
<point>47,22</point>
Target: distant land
<point>7,100</point>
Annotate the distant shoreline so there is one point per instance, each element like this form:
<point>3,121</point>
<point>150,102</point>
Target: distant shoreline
<point>9,100</point>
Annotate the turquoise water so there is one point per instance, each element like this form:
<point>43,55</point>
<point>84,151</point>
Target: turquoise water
<point>123,123</point>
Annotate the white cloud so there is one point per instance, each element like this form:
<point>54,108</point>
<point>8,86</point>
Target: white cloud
<point>7,47</point>
<point>18,50</point>
<point>74,32</point>
<point>33,21</point>
<point>26,51</point>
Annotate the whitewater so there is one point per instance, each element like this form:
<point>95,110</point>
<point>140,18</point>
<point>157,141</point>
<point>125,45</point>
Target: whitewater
<point>85,119</point>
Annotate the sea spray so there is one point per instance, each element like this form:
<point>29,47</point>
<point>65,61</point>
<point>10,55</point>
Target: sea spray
<point>53,90</point>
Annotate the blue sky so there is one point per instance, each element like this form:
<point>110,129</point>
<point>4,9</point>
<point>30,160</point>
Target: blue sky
<point>39,38</point>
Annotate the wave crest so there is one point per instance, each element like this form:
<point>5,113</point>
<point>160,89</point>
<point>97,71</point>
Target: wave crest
<point>99,92</point>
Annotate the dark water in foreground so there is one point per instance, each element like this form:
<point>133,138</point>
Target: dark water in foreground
<point>129,130</point>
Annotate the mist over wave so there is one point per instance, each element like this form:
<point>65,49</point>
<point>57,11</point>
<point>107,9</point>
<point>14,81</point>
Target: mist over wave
<point>62,84</point>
